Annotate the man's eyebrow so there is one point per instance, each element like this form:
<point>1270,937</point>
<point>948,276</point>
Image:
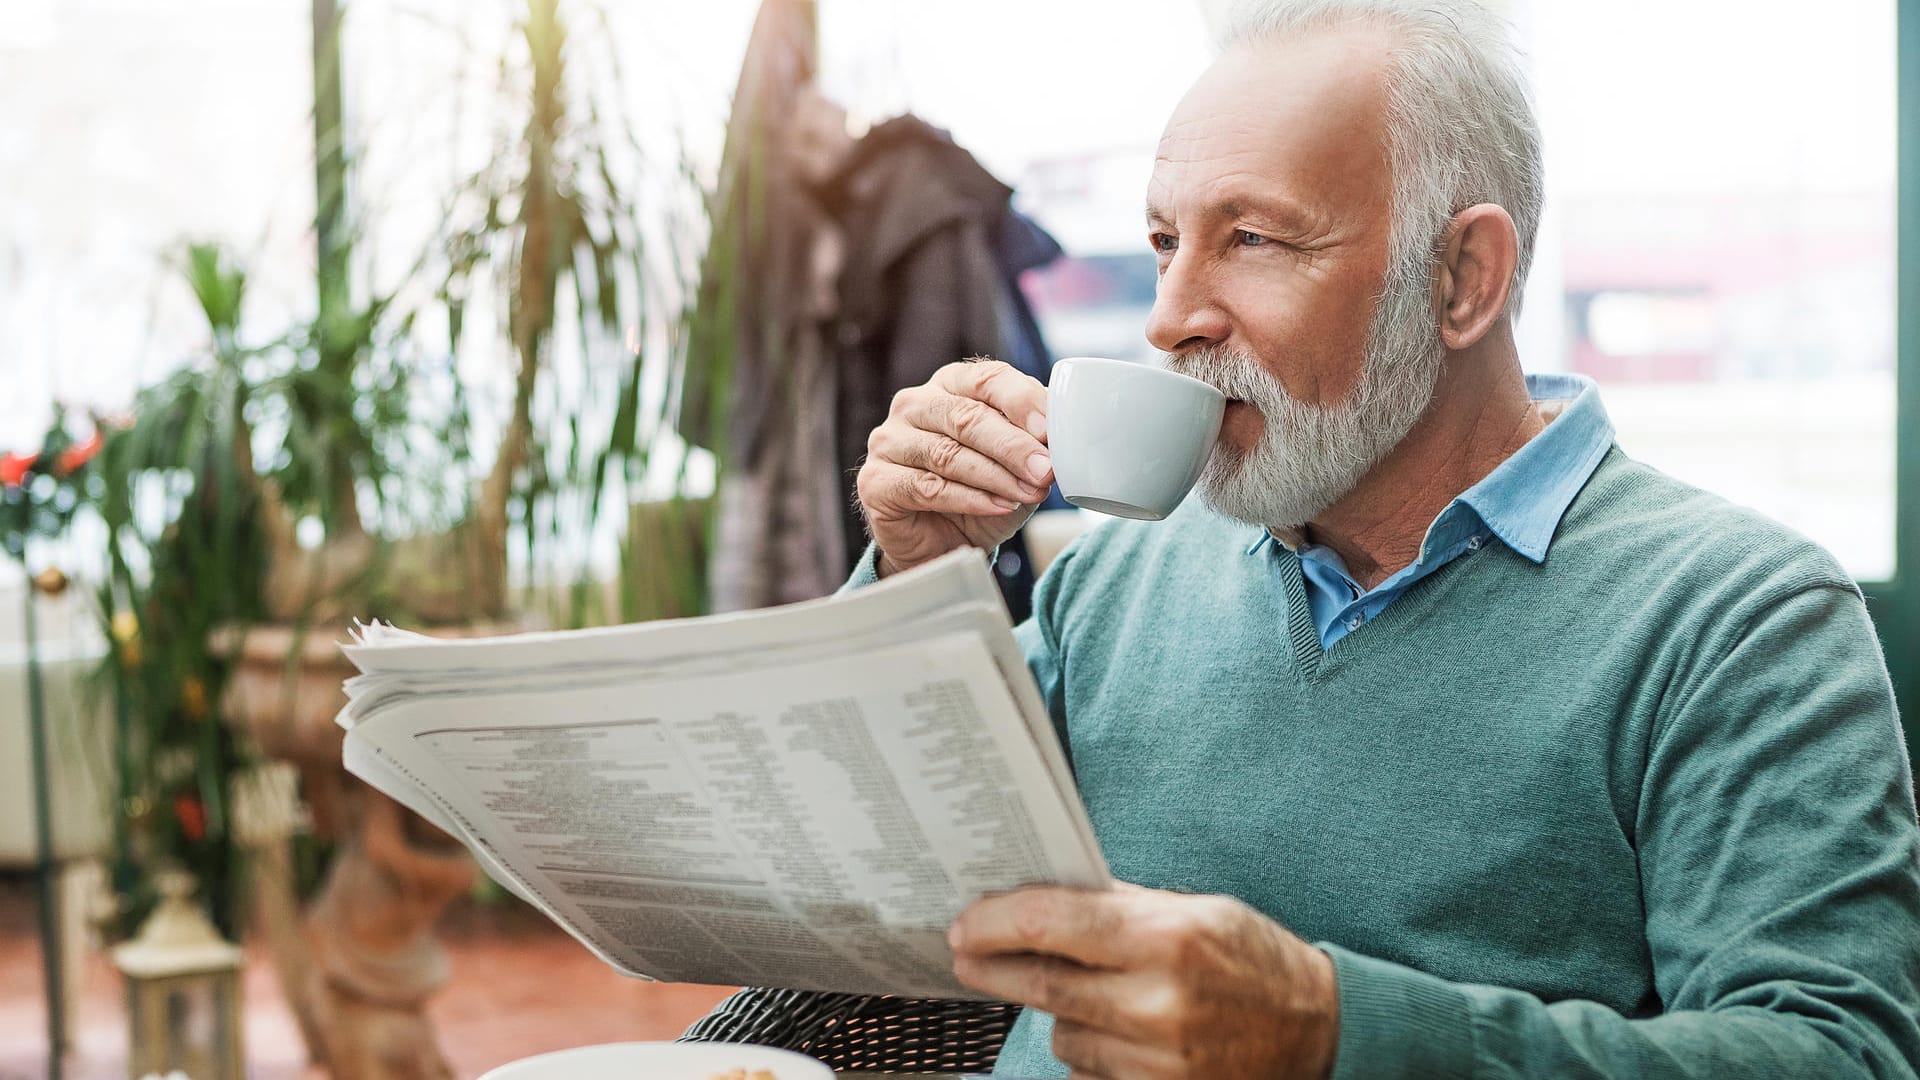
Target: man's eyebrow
<point>1282,210</point>
<point>1228,208</point>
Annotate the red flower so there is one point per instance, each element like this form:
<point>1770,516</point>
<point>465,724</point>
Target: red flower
<point>13,468</point>
<point>76,455</point>
<point>191,815</point>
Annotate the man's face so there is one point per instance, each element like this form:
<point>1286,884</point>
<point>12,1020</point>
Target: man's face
<point>1270,211</point>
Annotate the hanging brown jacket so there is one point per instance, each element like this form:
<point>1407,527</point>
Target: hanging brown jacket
<point>921,286</point>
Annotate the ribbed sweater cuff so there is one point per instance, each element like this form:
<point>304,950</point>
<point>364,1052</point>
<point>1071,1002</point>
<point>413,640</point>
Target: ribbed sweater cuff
<point>1398,1022</point>
<point>865,572</point>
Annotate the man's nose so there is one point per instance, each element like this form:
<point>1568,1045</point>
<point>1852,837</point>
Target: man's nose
<point>1185,313</point>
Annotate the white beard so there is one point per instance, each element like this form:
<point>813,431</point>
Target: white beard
<point>1309,456</point>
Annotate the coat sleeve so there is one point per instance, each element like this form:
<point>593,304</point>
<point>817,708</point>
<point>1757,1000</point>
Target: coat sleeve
<point>1777,844</point>
<point>946,304</point>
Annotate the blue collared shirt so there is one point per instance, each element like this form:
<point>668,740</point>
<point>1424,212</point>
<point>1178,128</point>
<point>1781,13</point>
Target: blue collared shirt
<point>1520,503</point>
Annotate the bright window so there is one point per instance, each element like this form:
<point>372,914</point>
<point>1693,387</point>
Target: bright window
<point>1719,246</point>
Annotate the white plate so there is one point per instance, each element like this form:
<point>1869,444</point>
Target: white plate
<point>660,1061</point>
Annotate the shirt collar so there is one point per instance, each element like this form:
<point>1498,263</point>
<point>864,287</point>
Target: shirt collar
<point>1523,499</point>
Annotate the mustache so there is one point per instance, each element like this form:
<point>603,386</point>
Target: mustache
<point>1233,373</point>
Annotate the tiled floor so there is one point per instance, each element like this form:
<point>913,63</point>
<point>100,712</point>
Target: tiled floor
<point>519,987</point>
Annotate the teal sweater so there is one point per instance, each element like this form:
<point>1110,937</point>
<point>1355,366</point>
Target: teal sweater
<point>1640,811</point>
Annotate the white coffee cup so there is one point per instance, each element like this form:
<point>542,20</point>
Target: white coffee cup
<point>1126,438</point>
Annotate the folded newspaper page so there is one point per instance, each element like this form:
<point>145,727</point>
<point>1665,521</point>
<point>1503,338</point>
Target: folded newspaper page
<point>800,797</point>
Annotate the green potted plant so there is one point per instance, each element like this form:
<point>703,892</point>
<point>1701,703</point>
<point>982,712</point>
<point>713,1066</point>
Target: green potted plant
<point>278,485</point>
<point>202,512</point>
<point>551,226</point>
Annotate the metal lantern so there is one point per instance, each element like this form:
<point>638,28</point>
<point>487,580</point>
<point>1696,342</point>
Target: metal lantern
<point>183,991</point>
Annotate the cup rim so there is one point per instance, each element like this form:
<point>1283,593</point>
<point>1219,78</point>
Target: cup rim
<point>1136,365</point>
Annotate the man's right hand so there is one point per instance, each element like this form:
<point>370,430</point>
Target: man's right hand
<point>960,462</point>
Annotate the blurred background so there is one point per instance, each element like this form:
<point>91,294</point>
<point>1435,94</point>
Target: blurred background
<point>462,313</point>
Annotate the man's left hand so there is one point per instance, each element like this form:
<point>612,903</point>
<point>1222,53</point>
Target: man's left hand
<point>1150,985</point>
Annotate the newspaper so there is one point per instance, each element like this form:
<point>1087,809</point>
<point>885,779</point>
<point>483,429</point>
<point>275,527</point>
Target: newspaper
<point>800,797</point>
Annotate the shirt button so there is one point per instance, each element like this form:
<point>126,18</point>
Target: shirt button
<point>1354,623</point>
<point>1473,544</point>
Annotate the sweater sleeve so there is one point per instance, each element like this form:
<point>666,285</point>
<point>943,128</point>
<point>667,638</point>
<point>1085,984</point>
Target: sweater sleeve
<point>865,572</point>
<point>1777,846</point>
<point>1040,640</point>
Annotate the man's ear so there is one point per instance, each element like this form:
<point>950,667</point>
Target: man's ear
<point>1475,274</point>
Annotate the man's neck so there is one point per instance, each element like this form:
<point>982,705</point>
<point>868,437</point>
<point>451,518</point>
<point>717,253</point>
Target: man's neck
<point>1481,414</point>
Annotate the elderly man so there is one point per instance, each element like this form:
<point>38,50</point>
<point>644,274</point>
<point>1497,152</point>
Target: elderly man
<point>1444,739</point>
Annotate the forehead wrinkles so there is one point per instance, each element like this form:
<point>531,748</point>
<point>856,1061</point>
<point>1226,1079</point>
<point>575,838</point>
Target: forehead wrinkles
<point>1312,135</point>
<point>1189,137</point>
<point>1197,159</point>
<point>1197,135</point>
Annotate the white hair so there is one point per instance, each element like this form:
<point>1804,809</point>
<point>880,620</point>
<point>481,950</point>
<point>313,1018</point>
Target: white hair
<point>1460,122</point>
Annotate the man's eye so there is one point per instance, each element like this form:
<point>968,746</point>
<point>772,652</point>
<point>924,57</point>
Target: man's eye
<point>1163,242</point>
<point>1248,239</point>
